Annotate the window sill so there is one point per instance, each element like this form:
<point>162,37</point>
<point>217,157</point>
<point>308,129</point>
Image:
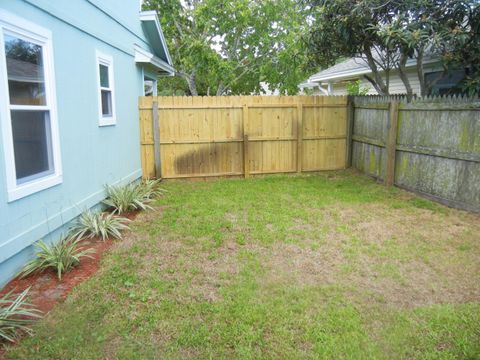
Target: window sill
<point>107,122</point>
<point>27,189</point>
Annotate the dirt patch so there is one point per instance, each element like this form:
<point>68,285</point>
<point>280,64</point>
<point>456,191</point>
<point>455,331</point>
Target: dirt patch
<point>199,274</point>
<point>403,259</point>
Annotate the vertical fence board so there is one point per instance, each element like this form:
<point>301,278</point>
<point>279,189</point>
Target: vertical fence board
<point>299,137</point>
<point>391,143</point>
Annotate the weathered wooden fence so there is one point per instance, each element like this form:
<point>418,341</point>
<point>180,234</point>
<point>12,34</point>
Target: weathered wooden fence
<point>184,137</point>
<point>430,146</point>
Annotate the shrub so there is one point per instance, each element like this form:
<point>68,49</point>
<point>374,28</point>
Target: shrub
<point>91,224</point>
<point>61,257</point>
<point>15,314</point>
<point>355,88</point>
<point>131,197</point>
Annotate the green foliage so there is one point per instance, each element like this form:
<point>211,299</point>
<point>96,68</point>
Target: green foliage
<point>61,256</point>
<point>355,88</point>
<point>15,315</point>
<point>388,33</point>
<point>229,47</point>
<point>132,197</point>
<point>91,224</point>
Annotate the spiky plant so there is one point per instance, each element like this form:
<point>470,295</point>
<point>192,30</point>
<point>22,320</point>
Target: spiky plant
<point>94,223</point>
<point>150,189</point>
<point>131,197</point>
<point>15,315</point>
<point>61,256</point>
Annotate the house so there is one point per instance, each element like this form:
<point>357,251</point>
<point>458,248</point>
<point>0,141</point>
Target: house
<point>71,73</point>
<point>333,80</point>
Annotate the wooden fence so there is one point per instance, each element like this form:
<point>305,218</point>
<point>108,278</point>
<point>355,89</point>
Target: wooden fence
<point>430,146</point>
<point>186,137</point>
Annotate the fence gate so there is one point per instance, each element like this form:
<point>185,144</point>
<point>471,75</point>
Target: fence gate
<point>186,137</point>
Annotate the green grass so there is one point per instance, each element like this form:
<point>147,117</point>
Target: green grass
<point>321,266</point>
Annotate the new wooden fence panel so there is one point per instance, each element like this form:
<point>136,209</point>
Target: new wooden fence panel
<point>272,136</point>
<point>221,136</point>
<point>200,137</point>
<point>324,133</point>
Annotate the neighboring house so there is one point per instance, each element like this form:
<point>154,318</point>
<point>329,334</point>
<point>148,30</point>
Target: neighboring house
<point>71,73</point>
<point>333,81</point>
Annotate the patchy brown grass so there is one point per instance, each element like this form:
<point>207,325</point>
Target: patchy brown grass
<point>401,258</point>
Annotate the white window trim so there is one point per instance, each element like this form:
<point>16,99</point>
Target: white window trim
<point>107,60</point>
<point>24,29</point>
<point>155,83</point>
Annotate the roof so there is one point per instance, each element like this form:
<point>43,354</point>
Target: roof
<point>146,57</point>
<point>352,67</point>
<point>160,58</point>
<point>24,71</point>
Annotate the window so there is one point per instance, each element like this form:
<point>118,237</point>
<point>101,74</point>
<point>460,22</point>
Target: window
<point>106,96</point>
<point>149,87</point>
<point>27,111</point>
<point>445,84</point>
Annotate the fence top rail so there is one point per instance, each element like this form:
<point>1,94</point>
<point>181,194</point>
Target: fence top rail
<point>433,101</point>
<point>422,107</point>
<point>176,102</point>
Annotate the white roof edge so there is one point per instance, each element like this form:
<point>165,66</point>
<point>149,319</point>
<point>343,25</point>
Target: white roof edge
<point>144,56</point>
<point>308,84</point>
<point>152,15</point>
<point>350,73</point>
<point>341,75</point>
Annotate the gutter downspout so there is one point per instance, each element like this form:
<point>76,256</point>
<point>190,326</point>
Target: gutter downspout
<point>330,88</point>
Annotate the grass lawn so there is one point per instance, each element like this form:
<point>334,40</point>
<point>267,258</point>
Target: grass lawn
<point>325,265</point>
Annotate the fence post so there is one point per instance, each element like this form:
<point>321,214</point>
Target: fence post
<point>350,120</point>
<point>391,143</point>
<point>156,139</point>
<point>299,136</point>
<point>246,165</point>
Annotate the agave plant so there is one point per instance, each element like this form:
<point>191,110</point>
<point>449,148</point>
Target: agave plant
<point>92,223</point>
<point>131,197</point>
<point>61,256</point>
<point>16,314</point>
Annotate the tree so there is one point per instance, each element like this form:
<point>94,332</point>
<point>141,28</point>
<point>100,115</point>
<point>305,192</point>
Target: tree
<point>447,29</point>
<point>343,28</point>
<point>231,47</point>
<point>388,33</point>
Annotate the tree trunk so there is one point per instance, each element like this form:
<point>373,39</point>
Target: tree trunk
<point>421,73</point>
<point>190,79</point>
<point>220,89</point>
<point>374,84</point>
<point>192,85</point>
<point>404,77</point>
<point>377,80</point>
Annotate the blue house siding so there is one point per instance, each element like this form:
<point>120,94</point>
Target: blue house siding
<point>91,155</point>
